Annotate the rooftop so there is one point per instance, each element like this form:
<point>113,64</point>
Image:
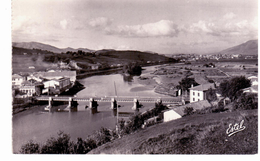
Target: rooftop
<point>203,87</point>
<point>195,105</point>
<point>16,76</point>
<point>57,74</point>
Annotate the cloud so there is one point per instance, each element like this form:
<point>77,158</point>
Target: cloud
<point>223,27</point>
<point>63,24</point>
<point>157,29</point>
<point>100,22</point>
<point>24,25</point>
<point>202,26</point>
<point>118,47</point>
<point>229,15</point>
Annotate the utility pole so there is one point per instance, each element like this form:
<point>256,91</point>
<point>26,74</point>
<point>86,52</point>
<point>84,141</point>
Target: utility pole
<point>117,127</point>
<point>116,105</point>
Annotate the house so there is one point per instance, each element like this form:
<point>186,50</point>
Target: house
<point>198,93</point>
<point>254,80</point>
<point>178,112</point>
<point>254,85</point>
<point>57,75</point>
<point>56,86</point>
<point>171,114</point>
<point>32,77</point>
<point>31,89</point>
<point>17,79</point>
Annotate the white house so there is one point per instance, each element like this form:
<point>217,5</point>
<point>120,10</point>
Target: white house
<point>31,89</point>
<point>32,77</point>
<point>57,75</point>
<point>170,115</point>
<point>57,85</point>
<point>254,85</point>
<point>254,80</point>
<point>17,79</point>
<point>198,93</point>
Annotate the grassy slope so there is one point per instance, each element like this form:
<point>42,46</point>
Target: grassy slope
<point>196,134</point>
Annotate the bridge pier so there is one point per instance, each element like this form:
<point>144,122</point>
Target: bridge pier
<point>48,108</point>
<point>113,103</point>
<point>93,105</point>
<point>72,104</point>
<point>136,104</point>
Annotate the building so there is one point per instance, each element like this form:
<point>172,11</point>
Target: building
<point>56,86</point>
<point>17,79</point>
<point>254,85</point>
<point>34,78</point>
<point>57,75</point>
<point>178,112</point>
<point>172,114</point>
<point>198,93</point>
<point>254,80</point>
<point>31,89</point>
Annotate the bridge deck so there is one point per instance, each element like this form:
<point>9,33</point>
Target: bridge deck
<point>118,99</point>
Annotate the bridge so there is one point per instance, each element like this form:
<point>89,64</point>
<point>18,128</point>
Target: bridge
<point>113,99</point>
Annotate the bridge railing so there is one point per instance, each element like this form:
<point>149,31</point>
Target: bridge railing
<point>108,99</point>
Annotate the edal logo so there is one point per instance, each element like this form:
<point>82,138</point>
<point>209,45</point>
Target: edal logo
<point>232,129</point>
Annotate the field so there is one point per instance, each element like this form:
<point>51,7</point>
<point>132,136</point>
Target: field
<point>195,134</point>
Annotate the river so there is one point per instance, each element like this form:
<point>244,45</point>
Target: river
<point>38,125</point>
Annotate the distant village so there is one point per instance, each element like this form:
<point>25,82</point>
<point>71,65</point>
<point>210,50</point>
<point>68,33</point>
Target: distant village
<point>196,57</point>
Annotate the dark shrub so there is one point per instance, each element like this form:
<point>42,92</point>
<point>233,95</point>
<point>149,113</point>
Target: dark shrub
<point>30,148</point>
<point>188,111</point>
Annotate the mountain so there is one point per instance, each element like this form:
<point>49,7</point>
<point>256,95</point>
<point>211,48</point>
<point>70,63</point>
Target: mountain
<point>248,48</point>
<point>37,45</point>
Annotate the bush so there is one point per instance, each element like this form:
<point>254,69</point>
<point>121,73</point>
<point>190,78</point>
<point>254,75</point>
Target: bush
<point>188,111</point>
<point>138,120</point>
<point>30,148</point>
<point>60,145</point>
<point>83,147</point>
<point>102,136</point>
<point>246,102</point>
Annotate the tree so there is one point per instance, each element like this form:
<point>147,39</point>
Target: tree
<point>30,148</point>
<point>60,145</point>
<point>186,83</point>
<point>83,147</point>
<point>102,136</point>
<point>211,95</point>
<point>232,88</point>
<point>132,69</point>
<point>224,88</point>
<point>246,102</point>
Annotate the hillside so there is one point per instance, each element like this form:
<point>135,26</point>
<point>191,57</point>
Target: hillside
<point>248,48</point>
<point>195,134</point>
<point>37,45</point>
<point>23,58</point>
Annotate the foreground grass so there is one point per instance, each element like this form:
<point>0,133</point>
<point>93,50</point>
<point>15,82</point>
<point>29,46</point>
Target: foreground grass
<point>195,134</point>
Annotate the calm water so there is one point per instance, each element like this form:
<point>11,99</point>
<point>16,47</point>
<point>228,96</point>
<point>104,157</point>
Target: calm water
<point>36,124</point>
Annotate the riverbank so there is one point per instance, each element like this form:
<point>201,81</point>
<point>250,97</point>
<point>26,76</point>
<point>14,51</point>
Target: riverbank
<point>98,72</point>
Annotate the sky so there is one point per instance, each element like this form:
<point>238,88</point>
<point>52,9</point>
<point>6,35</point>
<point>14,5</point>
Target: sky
<point>162,26</point>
